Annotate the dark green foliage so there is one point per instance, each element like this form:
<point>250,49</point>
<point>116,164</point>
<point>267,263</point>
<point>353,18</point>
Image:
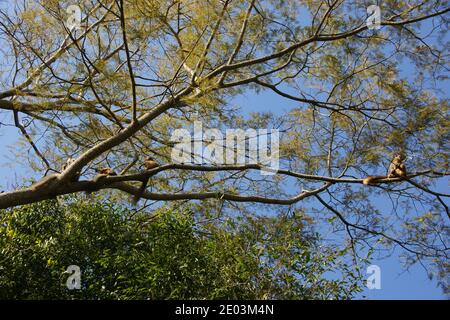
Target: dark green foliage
<point>124,255</point>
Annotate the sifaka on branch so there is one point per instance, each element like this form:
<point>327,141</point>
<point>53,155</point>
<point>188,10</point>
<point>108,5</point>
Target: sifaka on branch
<point>397,169</point>
<point>103,173</point>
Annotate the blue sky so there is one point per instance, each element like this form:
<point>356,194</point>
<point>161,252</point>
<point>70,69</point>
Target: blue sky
<point>396,282</point>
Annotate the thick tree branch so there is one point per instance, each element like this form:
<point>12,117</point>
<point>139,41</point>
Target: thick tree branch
<point>118,182</point>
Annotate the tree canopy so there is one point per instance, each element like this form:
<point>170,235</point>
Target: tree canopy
<point>166,255</point>
<point>108,82</point>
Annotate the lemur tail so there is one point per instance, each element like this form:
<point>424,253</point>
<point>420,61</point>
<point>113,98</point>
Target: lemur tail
<point>140,192</point>
<point>373,179</point>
